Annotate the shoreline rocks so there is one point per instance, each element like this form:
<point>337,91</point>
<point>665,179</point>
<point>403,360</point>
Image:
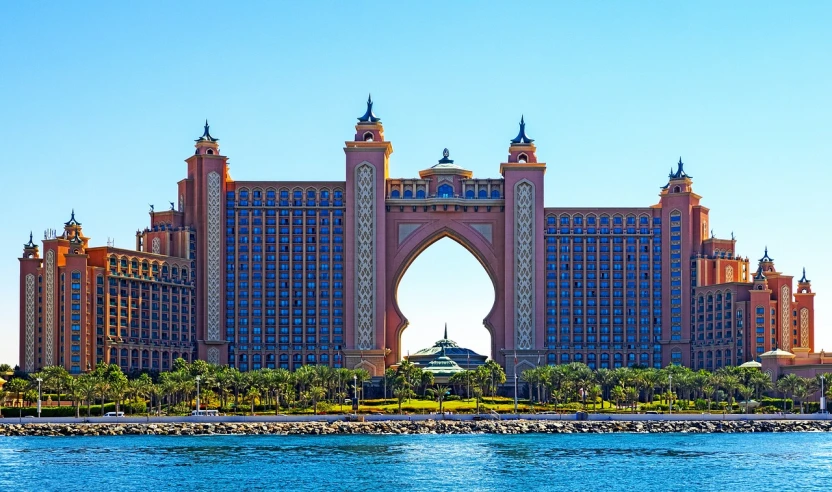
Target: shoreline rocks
<point>398,427</point>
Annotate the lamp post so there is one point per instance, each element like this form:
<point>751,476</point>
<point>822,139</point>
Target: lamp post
<point>822,396</point>
<point>355,391</point>
<point>39,395</point>
<point>468,377</point>
<point>197,394</point>
<point>670,390</point>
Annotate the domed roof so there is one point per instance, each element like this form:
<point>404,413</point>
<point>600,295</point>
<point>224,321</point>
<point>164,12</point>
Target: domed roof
<point>751,364</point>
<point>447,346</point>
<point>777,353</point>
<point>443,366</point>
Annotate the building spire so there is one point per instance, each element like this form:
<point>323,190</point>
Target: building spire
<point>803,279</point>
<point>521,137</point>
<point>369,116</point>
<point>446,324</point>
<point>445,157</point>
<point>72,221</point>
<point>206,135</point>
<point>766,257</point>
<point>680,172</point>
<point>31,244</point>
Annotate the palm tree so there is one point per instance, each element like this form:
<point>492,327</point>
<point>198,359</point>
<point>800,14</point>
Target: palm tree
<point>606,379</point>
<point>788,384</point>
<point>88,387</point>
<point>316,393</point>
<point>708,390</point>
<point>617,394</point>
<point>441,392</point>
<point>426,380</point>
<point>74,393</point>
<point>252,395</point>
<point>118,388</point>
<point>238,382</point>
<point>401,394</point>
<point>593,393</point>
<point>17,386</point>
<point>747,392</point>
<point>140,388</point>
<point>632,398</point>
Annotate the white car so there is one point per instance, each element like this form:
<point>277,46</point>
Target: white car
<point>114,414</point>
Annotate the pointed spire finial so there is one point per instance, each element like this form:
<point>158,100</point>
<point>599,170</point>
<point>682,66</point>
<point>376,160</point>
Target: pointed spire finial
<point>766,257</point>
<point>446,324</point>
<point>206,135</point>
<point>521,137</point>
<point>31,243</point>
<point>680,172</point>
<point>369,116</point>
<point>72,220</point>
<point>803,279</point>
<point>445,157</point>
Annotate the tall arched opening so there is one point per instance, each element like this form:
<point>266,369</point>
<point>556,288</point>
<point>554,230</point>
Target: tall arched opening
<point>445,283</point>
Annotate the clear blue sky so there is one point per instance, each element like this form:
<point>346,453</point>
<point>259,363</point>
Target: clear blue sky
<point>100,103</point>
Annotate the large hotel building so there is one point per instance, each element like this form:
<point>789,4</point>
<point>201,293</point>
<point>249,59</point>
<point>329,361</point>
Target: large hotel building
<point>258,274</point>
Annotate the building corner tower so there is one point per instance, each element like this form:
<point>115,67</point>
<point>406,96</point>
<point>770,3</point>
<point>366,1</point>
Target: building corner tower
<point>202,196</point>
<point>524,253</point>
<point>367,158</point>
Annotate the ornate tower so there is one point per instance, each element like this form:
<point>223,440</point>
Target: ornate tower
<point>685,226</point>
<point>804,300</point>
<point>524,280</point>
<point>29,265</point>
<point>367,158</point>
<point>202,194</point>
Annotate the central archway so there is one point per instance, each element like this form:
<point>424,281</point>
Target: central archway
<point>445,287</point>
<point>476,235</point>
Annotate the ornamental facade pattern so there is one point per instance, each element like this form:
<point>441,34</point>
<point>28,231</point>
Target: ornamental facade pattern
<point>29,365</point>
<point>365,256</point>
<point>524,288</point>
<point>213,258</point>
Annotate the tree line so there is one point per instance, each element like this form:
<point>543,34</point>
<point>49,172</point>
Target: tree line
<point>308,387</point>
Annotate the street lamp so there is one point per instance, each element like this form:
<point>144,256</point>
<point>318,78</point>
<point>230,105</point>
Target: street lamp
<point>39,395</point>
<point>822,396</point>
<point>670,390</point>
<point>197,394</point>
<point>355,390</point>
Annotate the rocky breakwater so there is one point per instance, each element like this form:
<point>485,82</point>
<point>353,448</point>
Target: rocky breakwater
<point>407,427</point>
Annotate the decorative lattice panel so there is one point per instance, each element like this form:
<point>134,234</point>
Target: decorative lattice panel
<point>524,265</point>
<point>213,255</point>
<point>29,363</point>
<point>49,309</point>
<point>365,256</point>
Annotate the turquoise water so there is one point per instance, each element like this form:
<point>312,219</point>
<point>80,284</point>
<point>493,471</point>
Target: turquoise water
<point>734,462</point>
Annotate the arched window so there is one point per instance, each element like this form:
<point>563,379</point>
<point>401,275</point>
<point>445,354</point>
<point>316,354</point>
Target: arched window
<point>368,137</point>
<point>394,194</point>
<point>408,193</point>
<point>483,193</point>
<point>469,194</point>
<point>495,193</point>
<point>522,158</point>
<point>420,194</point>
<point>445,191</point>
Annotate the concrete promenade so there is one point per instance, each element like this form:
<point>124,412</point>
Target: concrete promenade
<point>687,417</point>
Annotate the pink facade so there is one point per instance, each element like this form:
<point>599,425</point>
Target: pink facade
<point>282,274</point>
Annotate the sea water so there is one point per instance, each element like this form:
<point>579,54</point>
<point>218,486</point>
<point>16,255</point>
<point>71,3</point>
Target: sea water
<point>729,462</point>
